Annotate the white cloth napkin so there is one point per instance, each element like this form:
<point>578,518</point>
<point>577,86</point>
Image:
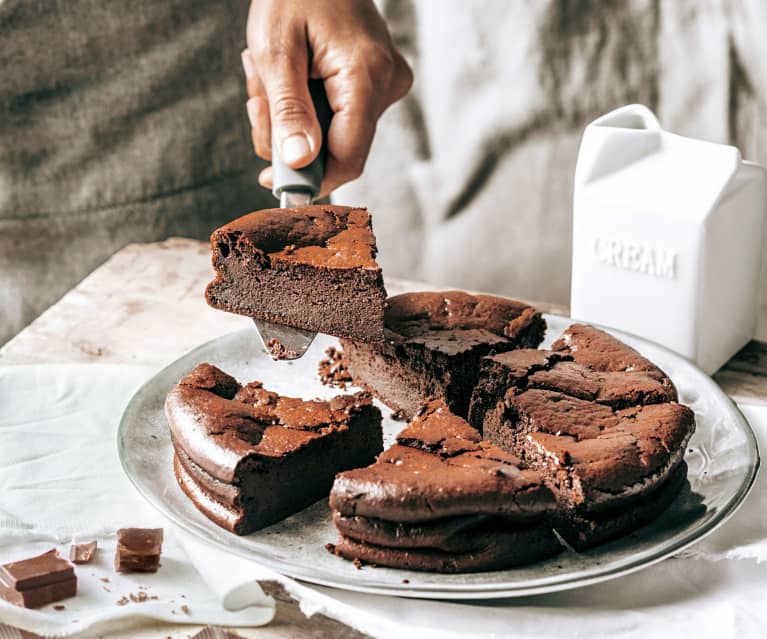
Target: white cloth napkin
<point>64,418</point>
<point>60,478</point>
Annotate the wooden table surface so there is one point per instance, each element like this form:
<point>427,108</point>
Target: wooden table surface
<point>145,306</point>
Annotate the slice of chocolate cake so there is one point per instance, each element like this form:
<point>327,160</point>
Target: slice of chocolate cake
<point>248,458</point>
<point>443,500</point>
<point>599,421</point>
<point>311,267</point>
<point>434,344</point>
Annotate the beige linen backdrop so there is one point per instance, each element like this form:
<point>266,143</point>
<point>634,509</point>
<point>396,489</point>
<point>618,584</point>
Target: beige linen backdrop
<point>125,122</point>
<point>470,177</point>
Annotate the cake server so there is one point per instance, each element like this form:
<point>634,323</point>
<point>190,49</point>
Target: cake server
<point>296,187</point>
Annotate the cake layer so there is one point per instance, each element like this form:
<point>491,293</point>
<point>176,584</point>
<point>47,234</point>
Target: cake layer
<point>311,267</point>
<point>218,512</point>
<point>496,549</point>
<point>470,534</point>
<point>583,530</point>
<point>452,534</point>
<point>434,343</point>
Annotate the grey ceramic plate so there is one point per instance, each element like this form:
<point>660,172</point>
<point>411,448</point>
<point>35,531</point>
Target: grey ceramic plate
<point>722,458</point>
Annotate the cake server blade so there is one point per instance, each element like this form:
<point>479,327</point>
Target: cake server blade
<point>281,341</point>
<point>296,187</point>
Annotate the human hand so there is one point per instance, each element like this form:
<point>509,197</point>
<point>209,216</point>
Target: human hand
<point>347,45</point>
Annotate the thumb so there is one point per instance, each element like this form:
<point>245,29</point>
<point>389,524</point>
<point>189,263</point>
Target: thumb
<point>296,134</point>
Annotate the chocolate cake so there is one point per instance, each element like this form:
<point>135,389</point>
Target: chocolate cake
<point>248,458</point>
<point>442,499</point>
<point>600,422</point>
<point>311,267</point>
<point>434,344</point>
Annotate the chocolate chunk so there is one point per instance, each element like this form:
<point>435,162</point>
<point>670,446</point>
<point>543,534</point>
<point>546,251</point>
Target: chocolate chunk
<point>138,549</point>
<point>36,571</point>
<point>82,553</point>
<point>37,581</point>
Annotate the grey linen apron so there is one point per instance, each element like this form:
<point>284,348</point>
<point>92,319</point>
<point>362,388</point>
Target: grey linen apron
<point>120,122</point>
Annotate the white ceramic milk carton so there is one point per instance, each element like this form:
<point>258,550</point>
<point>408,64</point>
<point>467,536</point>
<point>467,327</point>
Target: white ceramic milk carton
<point>667,237</point>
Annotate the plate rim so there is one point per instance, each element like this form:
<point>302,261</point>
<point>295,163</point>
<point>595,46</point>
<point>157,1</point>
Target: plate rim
<point>555,583</point>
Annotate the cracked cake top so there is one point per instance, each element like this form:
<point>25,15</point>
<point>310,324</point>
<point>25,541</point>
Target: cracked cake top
<point>440,467</point>
<point>219,423</point>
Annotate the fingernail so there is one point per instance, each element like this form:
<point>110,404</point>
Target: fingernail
<point>295,148</point>
<point>247,64</point>
<point>252,108</point>
<point>265,177</point>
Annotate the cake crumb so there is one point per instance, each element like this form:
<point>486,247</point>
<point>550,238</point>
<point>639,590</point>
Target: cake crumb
<point>399,415</point>
<point>277,350</point>
<point>332,369</point>
<point>357,563</point>
<point>331,548</point>
<point>122,601</point>
<point>185,610</point>
<point>59,607</point>
<point>105,580</point>
<point>406,581</point>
